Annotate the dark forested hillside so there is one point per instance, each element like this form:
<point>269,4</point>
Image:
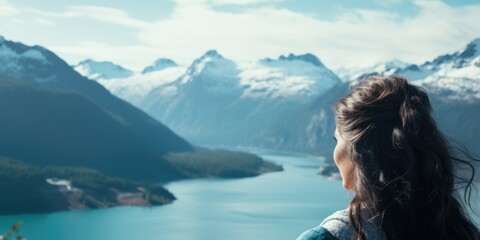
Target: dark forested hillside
<point>47,127</point>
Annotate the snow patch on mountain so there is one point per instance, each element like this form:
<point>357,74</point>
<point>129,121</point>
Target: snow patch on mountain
<point>454,88</point>
<point>134,89</point>
<point>382,68</point>
<point>18,61</point>
<point>10,54</point>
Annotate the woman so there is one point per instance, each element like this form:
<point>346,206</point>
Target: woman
<point>392,156</point>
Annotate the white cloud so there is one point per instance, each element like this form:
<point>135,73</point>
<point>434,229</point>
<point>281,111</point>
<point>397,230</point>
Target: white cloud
<point>43,21</point>
<point>388,3</point>
<point>104,14</point>
<point>7,10</point>
<point>241,2</point>
<point>355,37</point>
<point>108,15</point>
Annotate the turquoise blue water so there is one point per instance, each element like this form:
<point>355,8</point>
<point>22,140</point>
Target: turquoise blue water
<point>272,206</point>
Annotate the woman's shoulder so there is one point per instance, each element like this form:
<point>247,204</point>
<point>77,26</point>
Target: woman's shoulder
<point>317,233</point>
<point>337,227</point>
<point>334,227</point>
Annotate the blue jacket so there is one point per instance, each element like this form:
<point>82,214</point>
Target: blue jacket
<point>337,227</point>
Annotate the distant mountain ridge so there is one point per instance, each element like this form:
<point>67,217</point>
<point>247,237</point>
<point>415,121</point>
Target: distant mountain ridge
<point>309,58</point>
<point>454,76</point>
<point>218,99</point>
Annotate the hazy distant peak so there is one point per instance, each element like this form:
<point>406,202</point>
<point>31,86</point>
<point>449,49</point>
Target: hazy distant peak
<point>396,63</point>
<point>101,69</point>
<point>88,60</point>
<point>160,64</point>
<point>91,61</point>
<point>212,53</point>
<point>309,58</point>
<point>164,61</point>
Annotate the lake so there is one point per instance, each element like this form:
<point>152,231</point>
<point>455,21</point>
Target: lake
<point>271,206</point>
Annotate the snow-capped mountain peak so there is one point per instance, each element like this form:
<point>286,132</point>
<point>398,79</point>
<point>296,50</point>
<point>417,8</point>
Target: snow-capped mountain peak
<point>472,49</point>
<point>301,77</point>
<point>458,59</point>
<point>453,76</point>
<point>159,65</point>
<point>211,67</point>
<point>101,70</point>
<point>457,76</point>
<point>209,56</point>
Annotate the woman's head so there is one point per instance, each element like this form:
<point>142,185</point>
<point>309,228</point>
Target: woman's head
<point>378,124</point>
<point>391,154</point>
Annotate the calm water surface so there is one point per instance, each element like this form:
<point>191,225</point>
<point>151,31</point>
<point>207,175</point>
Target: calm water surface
<point>272,206</point>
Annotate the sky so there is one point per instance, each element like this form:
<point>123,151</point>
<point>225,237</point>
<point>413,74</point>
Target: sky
<point>342,33</point>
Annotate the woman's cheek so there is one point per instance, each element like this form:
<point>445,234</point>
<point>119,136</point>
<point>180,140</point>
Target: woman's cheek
<point>345,166</point>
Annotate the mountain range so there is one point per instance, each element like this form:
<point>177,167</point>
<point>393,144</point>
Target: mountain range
<point>286,103</point>
<point>216,101</point>
<point>78,117</point>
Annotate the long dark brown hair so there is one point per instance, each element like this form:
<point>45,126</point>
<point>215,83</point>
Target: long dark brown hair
<point>405,174</point>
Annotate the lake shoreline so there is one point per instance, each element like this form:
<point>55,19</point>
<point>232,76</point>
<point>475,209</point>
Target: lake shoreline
<point>54,189</point>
